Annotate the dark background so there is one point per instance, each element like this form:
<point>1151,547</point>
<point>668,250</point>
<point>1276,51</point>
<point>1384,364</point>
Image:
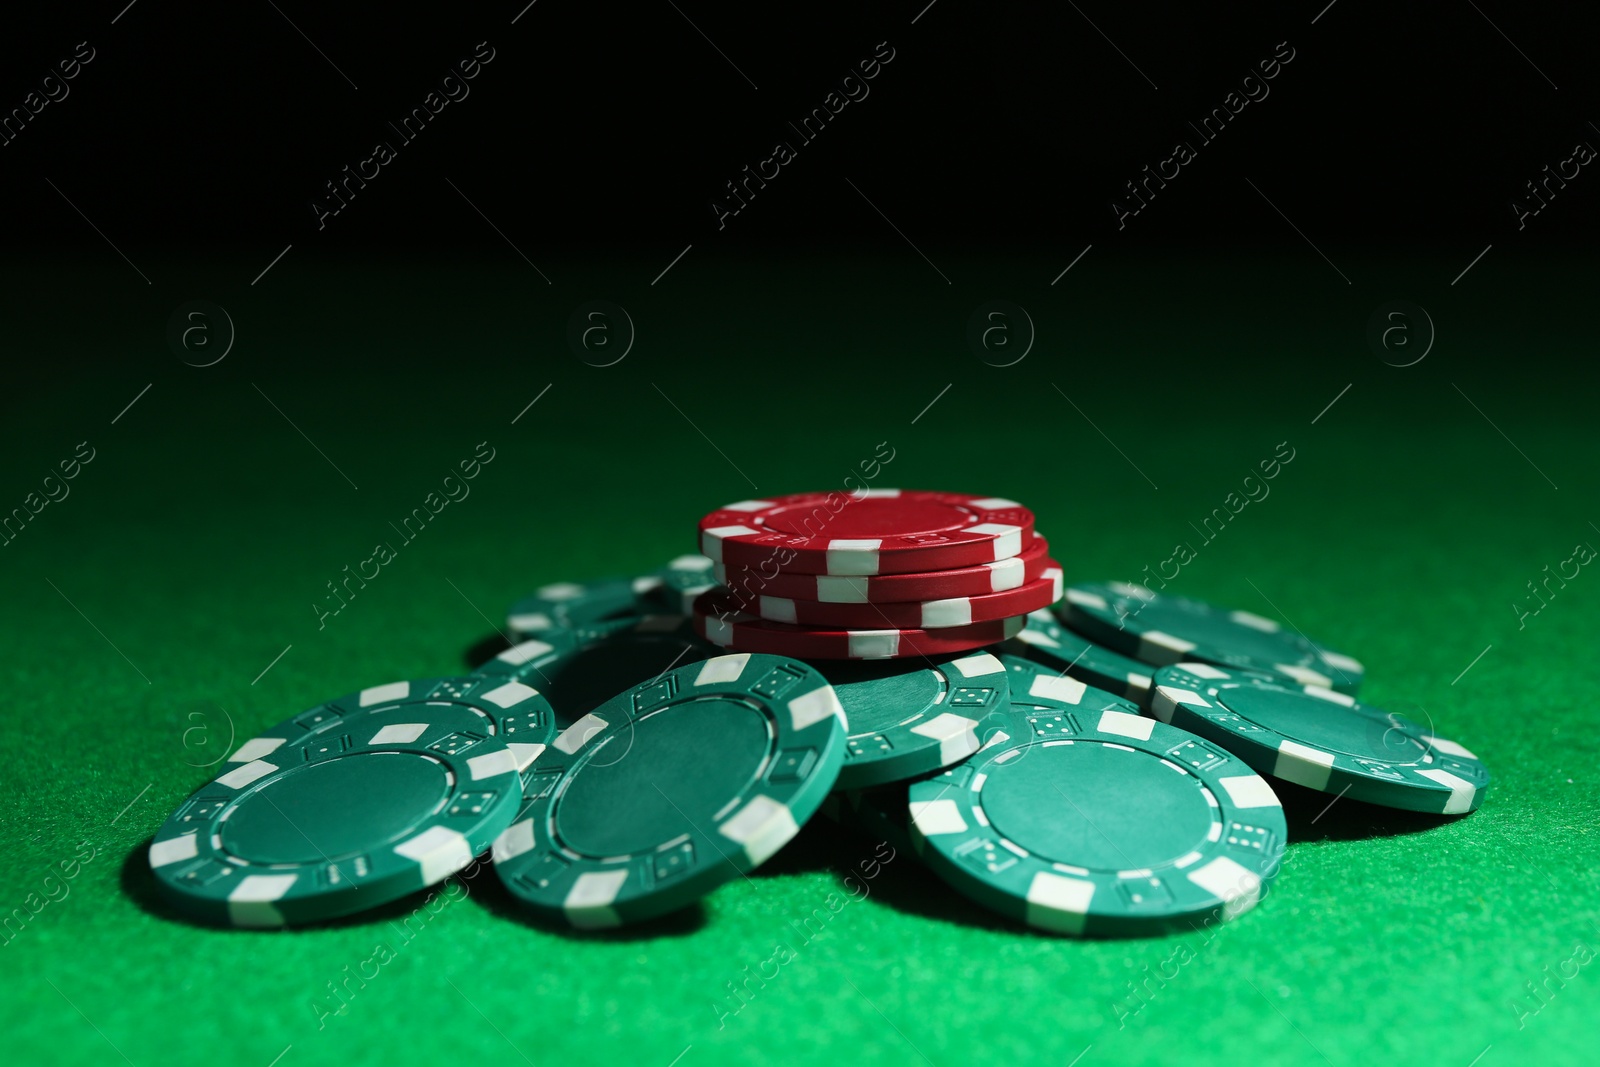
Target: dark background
<point>207,128</point>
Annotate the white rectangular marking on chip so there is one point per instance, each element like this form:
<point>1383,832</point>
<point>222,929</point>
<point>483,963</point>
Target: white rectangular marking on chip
<point>841,589</point>
<point>1449,747</point>
<point>957,736</point>
<point>711,540</point>
<point>1059,903</point>
<point>721,669</point>
<point>1006,574</point>
<point>1125,725</point>
<point>762,826</point>
<point>1038,637</point>
<point>574,737</point>
<point>778,609</point>
<point>814,707</point>
<point>517,655</point>
<point>503,761</point>
<point>560,591</point>
<point>174,850</point>
<point>1185,697</point>
<point>251,902</point>
<point>978,666</point>
<point>994,503</point>
<point>1250,791</point>
<point>263,888</point>
<point>1303,765</point>
<point>1254,621</point>
<point>1157,647</point>
<point>380,694</point>
<point>692,562</point>
<point>719,631</point>
<point>439,851</point>
<point>1087,600</point>
<point>399,733</point>
<point>1204,670</point>
<point>1340,662</point>
<point>876,494</point>
<point>1322,692</point>
<point>874,644</point>
<point>513,841</point>
<point>1007,538</point>
<point>534,622</point>
<point>510,695</point>
<point>935,817</point>
<point>524,755</point>
<point>1461,791</point>
<point>240,777</point>
<point>255,748</point>
<point>1052,687</point>
<point>1238,887</point>
<point>956,611</point>
<point>747,505</point>
<point>853,556</point>
<point>588,903</point>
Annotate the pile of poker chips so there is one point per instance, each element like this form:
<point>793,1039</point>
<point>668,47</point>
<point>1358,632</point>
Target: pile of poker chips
<point>877,574</point>
<point>1101,766</point>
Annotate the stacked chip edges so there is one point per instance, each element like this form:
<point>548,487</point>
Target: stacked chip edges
<point>880,574</point>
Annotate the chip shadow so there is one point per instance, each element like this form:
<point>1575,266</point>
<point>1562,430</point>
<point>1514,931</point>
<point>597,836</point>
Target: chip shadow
<point>1314,816</point>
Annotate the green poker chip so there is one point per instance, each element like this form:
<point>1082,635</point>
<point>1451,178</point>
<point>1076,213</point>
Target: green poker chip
<point>672,589</point>
<point>1321,739</point>
<point>671,788</point>
<point>908,718</point>
<point>354,803</point>
<point>1161,629</point>
<point>598,605</point>
<point>1082,817</point>
<point>608,604</point>
<point>1044,640</point>
<point>578,670</point>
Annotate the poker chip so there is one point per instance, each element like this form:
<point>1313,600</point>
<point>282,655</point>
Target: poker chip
<point>1162,629</point>
<point>926,615</point>
<point>354,803</point>
<point>578,670</point>
<point>747,584</point>
<point>875,531</point>
<point>1321,739</point>
<point>672,788</point>
<point>719,620</point>
<point>1044,640</point>
<point>908,719</point>
<point>599,604</point>
<point>672,589</point>
<point>1083,817</point>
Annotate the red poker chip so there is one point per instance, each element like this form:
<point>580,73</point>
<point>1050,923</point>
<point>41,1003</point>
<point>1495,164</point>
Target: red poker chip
<point>748,585</point>
<point>876,531</point>
<point>717,618</point>
<point>917,615</point>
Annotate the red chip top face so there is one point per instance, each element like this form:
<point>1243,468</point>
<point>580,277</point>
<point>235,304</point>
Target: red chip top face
<point>877,531</point>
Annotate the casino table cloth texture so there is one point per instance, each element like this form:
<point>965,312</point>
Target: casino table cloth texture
<point>181,600</point>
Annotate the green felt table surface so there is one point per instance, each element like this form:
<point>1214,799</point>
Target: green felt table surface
<point>166,606</point>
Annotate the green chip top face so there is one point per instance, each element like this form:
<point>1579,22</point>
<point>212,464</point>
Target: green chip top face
<point>1162,629</point>
<point>354,803</point>
<point>1322,739</point>
<point>1080,816</point>
<point>1044,640</point>
<point>910,718</point>
<point>671,788</point>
